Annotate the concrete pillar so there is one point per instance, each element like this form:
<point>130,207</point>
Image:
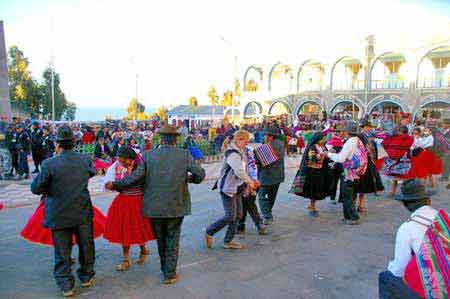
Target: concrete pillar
<point>5,105</point>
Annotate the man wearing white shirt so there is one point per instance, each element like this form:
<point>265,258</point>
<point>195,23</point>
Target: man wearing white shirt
<point>349,149</point>
<point>408,240</point>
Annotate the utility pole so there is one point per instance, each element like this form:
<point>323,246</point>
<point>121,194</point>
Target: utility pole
<point>235,73</point>
<point>52,66</point>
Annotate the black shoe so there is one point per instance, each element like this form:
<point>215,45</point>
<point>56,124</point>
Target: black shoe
<point>36,170</point>
<point>26,177</point>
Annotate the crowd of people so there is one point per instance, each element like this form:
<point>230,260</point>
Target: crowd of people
<point>342,162</point>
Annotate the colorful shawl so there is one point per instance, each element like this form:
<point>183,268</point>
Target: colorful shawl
<point>300,177</point>
<point>433,258</point>
<point>442,142</point>
<point>356,166</point>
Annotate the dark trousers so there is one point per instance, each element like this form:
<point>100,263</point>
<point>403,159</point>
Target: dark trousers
<point>15,161</point>
<point>392,287</point>
<point>167,232</point>
<point>350,212</point>
<point>267,195</point>
<point>233,211</point>
<point>249,206</point>
<point>62,239</point>
<point>23,163</point>
<point>445,167</point>
<point>37,158</point>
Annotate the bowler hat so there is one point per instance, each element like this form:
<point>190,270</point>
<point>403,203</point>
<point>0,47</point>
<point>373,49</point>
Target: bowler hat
<point>272,131</point>
<point>64,133</point>
<point>413,190</point>
<point>365,123</point>
<point>351,127</point>
<point>168,130</point>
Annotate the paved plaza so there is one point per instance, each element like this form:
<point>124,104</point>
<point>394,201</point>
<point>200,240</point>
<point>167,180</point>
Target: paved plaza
<point>301,257</point>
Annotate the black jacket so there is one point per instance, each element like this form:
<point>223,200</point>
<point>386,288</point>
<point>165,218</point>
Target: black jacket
<point>63,181</point>
<point>24,141</point>
<point>36,139</point>
<point>98,151</point>
<point>48,147</point>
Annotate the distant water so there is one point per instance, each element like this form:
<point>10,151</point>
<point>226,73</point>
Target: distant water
<point>99,113</point>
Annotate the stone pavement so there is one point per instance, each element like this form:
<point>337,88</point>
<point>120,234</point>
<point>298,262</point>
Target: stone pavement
<point>17,193</point>
<point>301,257</point>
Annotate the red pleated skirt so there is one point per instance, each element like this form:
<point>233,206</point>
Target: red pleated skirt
<point>431,163</point>
<point>125,224</point>
<point>35,232</point>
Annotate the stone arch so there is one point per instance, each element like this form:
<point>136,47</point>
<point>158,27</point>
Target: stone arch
<point>386,99</point>
<point>273,69</point>
<point>428,101</point>
<point>305,100</point>
<point>252,67</point>
<point>334,66</point>
<point>374,62</point>
<point>306,62</point>
<point>346,99</point>
<point>423,58</point>
<point>284,102</point>
<point>249,104</point>
<point>229,111</point>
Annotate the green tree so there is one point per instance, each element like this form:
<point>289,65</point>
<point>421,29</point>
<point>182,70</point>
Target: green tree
<point>25,92</point>
<point>60,98</point>
<point>71,109</point>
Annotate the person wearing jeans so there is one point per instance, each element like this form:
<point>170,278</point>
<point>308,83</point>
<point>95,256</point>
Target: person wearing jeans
<point>231,183</point>
<point>271,175</point>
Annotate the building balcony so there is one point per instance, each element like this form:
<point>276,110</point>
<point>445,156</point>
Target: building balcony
<point>350,85</point>
<point>433,84</point>
<point>388,84</point>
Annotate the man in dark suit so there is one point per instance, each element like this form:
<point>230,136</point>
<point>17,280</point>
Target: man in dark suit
<point>271,176</point>
<point>63,181</point>
<point>166,172</point>
<point>36,145</point>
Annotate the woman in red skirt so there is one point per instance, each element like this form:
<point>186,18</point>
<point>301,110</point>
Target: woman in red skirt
<point>35,232</point>
<point>431,163</point>
<point>125,224</point>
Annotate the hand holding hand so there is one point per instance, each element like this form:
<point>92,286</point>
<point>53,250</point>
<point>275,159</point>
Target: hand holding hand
<point>109,186</point>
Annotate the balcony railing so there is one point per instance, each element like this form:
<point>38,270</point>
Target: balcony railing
<point>430,83</point>
<point>388,84</point>
<point>354,85</point>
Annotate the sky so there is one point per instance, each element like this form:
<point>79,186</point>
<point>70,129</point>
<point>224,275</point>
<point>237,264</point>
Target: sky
<point>177,48</point>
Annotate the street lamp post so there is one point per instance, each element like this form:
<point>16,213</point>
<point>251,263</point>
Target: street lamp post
<point>235,73</point>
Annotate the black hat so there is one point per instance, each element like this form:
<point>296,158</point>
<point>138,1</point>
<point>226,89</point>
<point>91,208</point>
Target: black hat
<point>351,127</point>
<point>365,123</point>
<point>127,153</point>
<point>272,131</point>
<point>64,133</point>
<point>413,190</point>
